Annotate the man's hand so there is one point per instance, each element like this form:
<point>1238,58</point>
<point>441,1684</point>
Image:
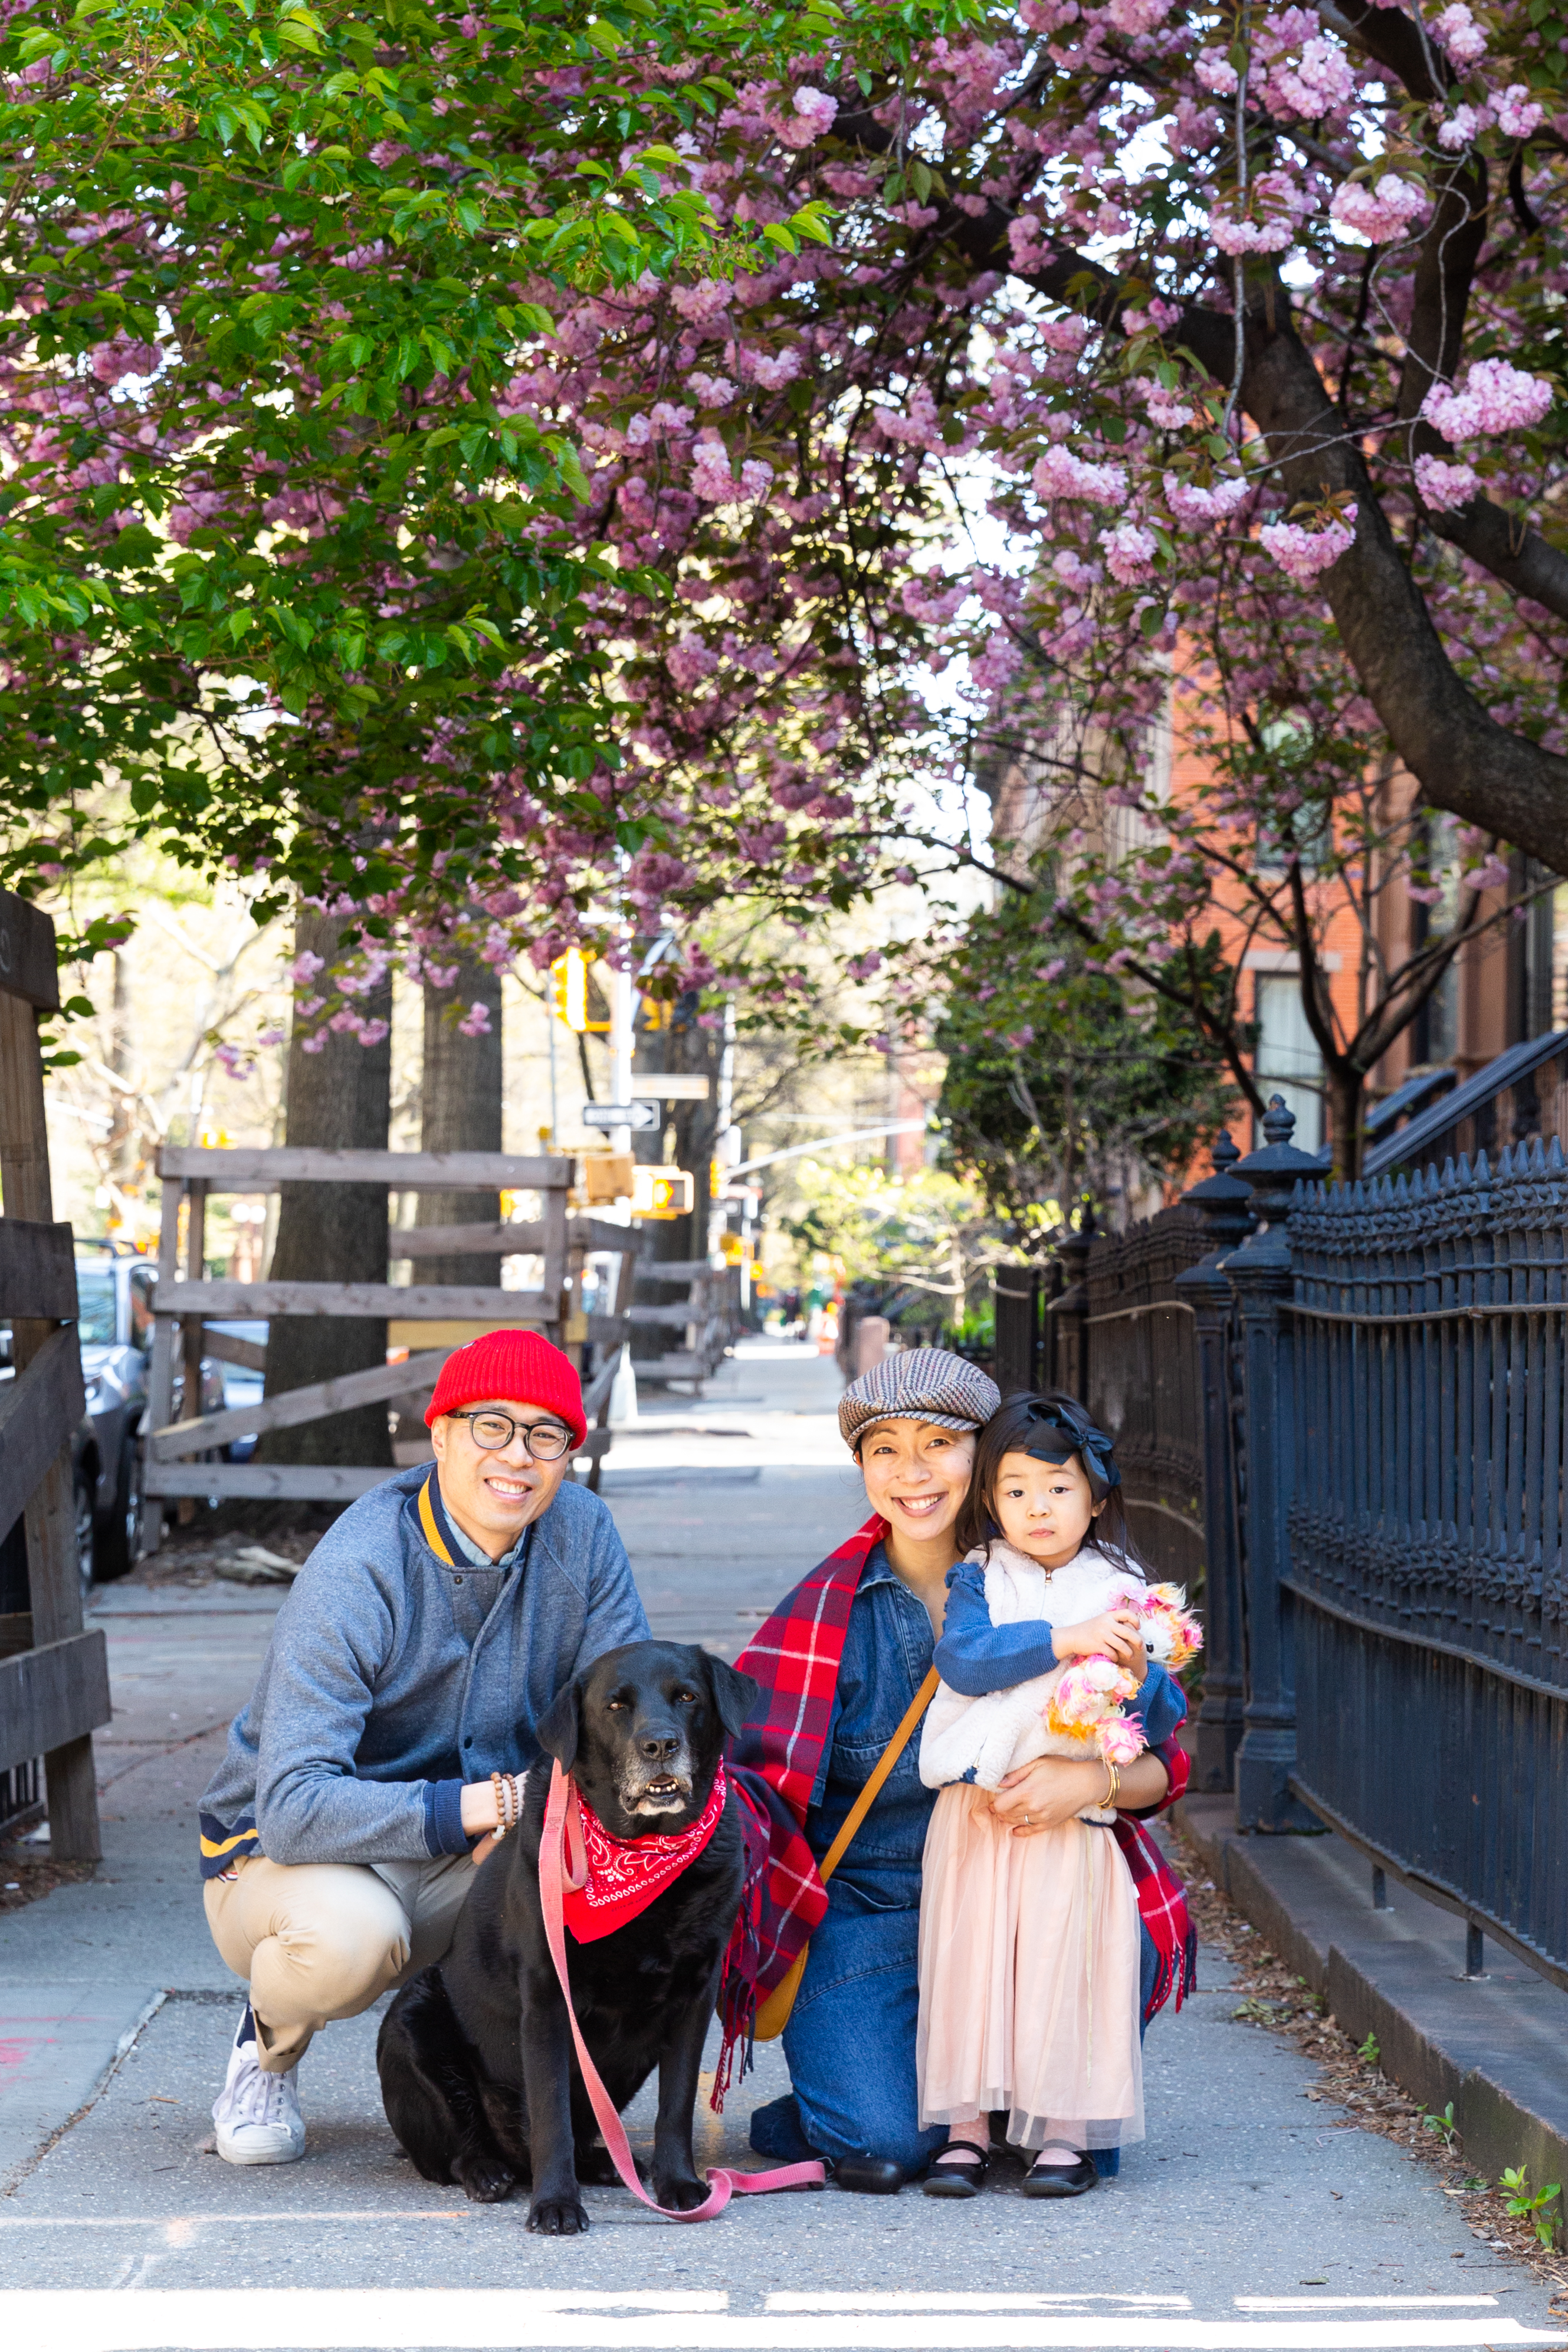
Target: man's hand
<point>478,1808</point>
<point>1118,1635</point>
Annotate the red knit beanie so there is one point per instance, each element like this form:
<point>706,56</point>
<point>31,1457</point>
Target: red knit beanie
<point>515,1366</point>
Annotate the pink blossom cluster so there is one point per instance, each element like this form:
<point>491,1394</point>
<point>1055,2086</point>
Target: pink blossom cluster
<point>1496,398</point>
<point>1302,554</point>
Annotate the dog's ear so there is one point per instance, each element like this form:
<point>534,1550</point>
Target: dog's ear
<point>561,1724</point>
<point>734,1694</point>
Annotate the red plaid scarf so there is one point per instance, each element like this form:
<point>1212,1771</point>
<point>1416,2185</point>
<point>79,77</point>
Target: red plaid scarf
<point>795,1657</point>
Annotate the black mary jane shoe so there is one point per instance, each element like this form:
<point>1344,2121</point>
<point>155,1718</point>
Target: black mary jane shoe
<point>957,2179</point>
<point>869,2176</point>
<point>1059,2179</point>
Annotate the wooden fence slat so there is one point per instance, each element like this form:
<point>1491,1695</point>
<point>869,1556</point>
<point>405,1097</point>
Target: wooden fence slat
<point>528,1237</point>
<point>609,1330</point>
<point>241,1302</point>
<point>228,1349</point>
<point>293,1406</point>
<point>53,1695</point>
<point>43,1399</point>
<point>476,1241</point>
<point>406,1171</point>
<point>27,954</point>
<point>37,1270</point>
<point>263,1482</point>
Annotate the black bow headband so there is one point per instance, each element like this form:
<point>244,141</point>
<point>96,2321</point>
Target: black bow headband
<point>1054,1441</point>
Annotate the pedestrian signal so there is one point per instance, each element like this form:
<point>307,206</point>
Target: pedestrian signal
<point>662,1192</point>
<point>569,991</point>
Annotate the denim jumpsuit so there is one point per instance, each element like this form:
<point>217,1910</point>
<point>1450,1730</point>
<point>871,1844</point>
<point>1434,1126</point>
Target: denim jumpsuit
<point>850,2040</point>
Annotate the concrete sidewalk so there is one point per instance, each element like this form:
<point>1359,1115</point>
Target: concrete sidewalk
<point>1246,2217</point>
<point>1494,2046</point>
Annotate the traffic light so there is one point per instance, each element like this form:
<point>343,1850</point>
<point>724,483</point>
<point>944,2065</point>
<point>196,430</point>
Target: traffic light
<point>662,1191</point>
<point>569,990</point>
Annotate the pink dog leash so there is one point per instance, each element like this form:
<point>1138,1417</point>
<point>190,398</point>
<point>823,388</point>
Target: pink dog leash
<point>722,2183</point>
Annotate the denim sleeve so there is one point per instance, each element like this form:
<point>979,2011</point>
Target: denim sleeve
<point>973,1656</point>
<point>1162,1705</point>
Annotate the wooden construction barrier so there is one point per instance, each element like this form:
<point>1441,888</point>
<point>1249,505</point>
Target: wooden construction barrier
<point>430,1319</point>
<point>54,1689</point>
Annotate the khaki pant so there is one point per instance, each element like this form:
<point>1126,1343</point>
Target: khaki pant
<point>327,1938</point>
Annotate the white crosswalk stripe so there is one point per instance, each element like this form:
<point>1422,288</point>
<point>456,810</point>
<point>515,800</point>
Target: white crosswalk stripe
<point>417,2320</point>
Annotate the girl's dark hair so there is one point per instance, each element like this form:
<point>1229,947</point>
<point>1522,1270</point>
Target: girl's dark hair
<point>1009,1430</point>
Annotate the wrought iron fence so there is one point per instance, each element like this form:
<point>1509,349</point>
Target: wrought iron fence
<point>1142,1382</point>
<point>1424,1591</point>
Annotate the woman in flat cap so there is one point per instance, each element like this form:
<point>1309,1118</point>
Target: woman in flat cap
<point>844,1663</point>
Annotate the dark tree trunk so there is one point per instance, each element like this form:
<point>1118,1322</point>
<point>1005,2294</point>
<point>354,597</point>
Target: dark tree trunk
<point>460,1110</point>
<point>1344,1092</point>
<point>339,1099</point>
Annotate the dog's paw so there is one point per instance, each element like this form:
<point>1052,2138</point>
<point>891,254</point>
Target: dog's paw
<point>557,2217</point>
<point>485,2180</point>
<point>679,2196</point>
<point>596,2167</point>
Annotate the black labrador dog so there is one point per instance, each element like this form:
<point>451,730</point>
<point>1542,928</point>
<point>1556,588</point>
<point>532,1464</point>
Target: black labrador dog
<point>478,2075</point>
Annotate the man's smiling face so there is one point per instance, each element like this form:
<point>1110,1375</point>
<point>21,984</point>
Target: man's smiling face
<point>494,1494</point>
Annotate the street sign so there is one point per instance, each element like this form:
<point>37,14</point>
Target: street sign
<point>634,1114</point>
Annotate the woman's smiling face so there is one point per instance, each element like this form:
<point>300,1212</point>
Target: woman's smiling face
<point>917,1474</point>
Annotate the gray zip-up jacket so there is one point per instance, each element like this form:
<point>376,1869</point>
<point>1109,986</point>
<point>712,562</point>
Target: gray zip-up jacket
<point>383,1689</point>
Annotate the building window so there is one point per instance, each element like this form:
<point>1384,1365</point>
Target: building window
<point>1287,1060</point>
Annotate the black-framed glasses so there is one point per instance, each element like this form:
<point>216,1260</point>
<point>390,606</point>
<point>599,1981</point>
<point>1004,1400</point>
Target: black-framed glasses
<point>547,1441</point>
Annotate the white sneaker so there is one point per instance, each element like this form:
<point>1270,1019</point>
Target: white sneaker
<point>257,2116</point>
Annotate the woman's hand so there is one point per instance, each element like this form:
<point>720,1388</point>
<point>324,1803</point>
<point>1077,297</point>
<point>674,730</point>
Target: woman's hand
<point>1118,1635</point>
<point>1044,1794</point>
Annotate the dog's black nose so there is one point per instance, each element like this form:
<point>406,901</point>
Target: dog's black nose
<point>658,1751</point>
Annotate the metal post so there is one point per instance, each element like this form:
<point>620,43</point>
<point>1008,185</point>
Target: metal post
<point>1260,1274</point>
<point>1475,1950</point>
<point>1225,1203</point>
<point>1380,1901</point>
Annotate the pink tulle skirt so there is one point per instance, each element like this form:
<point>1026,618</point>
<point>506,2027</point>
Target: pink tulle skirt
<point>1029,1978</point>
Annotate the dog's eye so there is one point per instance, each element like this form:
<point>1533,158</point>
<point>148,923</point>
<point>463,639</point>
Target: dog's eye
<point>686,1698</point>
<point>616,1706</point>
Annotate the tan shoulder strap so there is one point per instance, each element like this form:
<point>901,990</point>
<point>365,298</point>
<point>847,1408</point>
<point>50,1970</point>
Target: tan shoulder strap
<point>873,1788</point>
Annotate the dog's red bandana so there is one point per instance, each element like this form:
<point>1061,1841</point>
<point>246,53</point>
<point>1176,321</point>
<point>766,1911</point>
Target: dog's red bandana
<point>612,1879</point>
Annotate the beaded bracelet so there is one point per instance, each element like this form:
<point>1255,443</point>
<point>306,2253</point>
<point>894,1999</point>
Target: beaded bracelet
<point>508,1802</point>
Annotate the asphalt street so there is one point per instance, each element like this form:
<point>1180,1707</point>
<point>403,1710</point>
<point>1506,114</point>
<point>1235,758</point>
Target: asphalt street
<point>1247,2218</point>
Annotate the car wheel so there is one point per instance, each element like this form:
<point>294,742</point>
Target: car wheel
<point>81,1504</point>
<point>120,1546</point>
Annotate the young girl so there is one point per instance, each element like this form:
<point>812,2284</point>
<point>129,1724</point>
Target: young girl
<point>1029,1946</point>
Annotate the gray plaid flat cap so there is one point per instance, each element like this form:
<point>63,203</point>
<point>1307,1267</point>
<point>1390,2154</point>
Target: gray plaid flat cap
<point>921,1384</point>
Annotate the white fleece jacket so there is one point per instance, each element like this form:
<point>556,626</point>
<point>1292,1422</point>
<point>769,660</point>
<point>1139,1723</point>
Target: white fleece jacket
<point>1005,1728</point>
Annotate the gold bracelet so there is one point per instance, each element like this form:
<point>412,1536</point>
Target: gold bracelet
<point>1112,1787</point>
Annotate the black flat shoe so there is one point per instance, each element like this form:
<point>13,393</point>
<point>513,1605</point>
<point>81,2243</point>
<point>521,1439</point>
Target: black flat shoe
<point>957,2179</point>
<point>1059,2179</point>
<point>868,2176</point>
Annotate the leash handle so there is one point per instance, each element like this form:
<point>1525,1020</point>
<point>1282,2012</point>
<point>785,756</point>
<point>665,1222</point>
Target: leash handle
<point>560,1815</point>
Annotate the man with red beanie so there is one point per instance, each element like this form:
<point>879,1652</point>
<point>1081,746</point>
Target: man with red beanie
<point>420,1644</point>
